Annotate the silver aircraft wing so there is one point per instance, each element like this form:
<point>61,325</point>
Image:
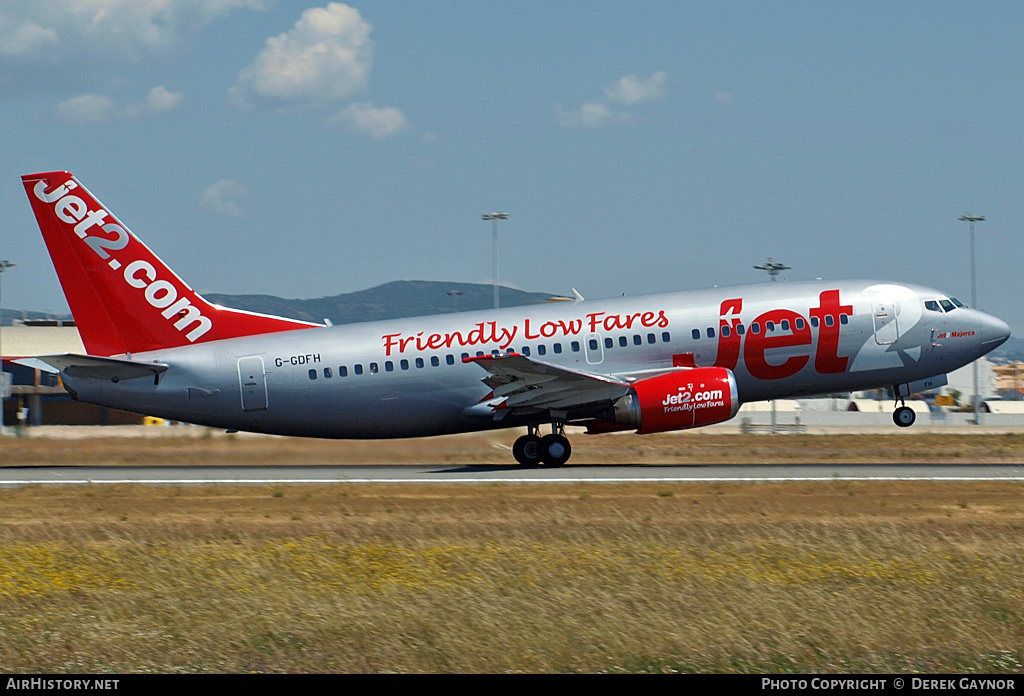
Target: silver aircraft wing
<point>523,384</point>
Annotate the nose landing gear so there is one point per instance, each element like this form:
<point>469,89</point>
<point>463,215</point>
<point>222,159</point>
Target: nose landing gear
<point>532,450</point>
<point>904,416</point>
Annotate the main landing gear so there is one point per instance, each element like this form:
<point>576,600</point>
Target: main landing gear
<point>551,450</point>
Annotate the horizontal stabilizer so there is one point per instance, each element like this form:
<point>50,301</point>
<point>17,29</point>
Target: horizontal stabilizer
<point>93,367</point>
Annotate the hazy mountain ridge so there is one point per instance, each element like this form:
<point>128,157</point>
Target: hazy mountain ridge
<point>394,300</point>
<point>1013,349</point>
<point>9,316</point>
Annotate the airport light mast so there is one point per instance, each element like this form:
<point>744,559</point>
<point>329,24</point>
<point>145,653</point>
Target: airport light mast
<point>454,294</point>
<point>4,265</point>
<point>773,269</point>
<point>967,217</point>
<point>494,217</point>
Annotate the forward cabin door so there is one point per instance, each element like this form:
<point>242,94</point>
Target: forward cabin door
<point>887,329</point>
<point>253,381</point>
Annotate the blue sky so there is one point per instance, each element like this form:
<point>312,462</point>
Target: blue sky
<point>305,149</point>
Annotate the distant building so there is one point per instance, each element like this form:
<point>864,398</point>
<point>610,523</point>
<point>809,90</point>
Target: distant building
<point>1011,394</point>
<point>1010,380</point>
<point>962,381</point>
<point>41,394</point>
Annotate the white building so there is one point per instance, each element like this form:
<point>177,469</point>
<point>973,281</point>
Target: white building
<point>962,380</point>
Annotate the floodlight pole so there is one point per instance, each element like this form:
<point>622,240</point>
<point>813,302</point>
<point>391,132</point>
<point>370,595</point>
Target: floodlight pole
<point>967,217</point>
<point>772,269</point>
<point>4,265</point>
<point>494,217</point>
<point>454,294</point>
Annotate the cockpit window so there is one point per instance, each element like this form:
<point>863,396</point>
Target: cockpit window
<point>943,305</point>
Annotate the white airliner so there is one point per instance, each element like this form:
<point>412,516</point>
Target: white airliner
<point>650,363</point>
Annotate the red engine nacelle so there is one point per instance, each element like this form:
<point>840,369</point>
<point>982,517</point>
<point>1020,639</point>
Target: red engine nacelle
<point>679,400</point>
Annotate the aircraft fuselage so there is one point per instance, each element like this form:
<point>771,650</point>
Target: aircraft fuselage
<point>407,377</point>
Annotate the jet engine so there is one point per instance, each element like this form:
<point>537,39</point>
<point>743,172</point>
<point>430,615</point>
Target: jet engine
<point>678,400</point>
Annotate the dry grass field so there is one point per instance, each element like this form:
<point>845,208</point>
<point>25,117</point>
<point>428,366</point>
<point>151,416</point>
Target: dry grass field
<point>767,578</point>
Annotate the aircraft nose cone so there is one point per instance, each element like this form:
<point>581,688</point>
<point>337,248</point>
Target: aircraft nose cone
<point>994,332</point>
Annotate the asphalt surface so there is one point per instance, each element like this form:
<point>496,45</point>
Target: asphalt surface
<point>213,475</point>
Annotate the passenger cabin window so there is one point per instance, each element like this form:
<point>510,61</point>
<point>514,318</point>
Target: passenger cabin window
<point>696,334</point>
<point>608,343</point>
<point>623,342</point>
<point>327,372</point>
<point>575,345</point>
<point>343,371</point>
<point>312,374</point>
<point>359,369</point>
<point>541,349</point>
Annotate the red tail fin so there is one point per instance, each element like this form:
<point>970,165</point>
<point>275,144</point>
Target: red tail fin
<point>124,299</point>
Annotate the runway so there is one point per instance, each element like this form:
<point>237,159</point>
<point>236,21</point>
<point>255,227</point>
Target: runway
<point>433,474</point>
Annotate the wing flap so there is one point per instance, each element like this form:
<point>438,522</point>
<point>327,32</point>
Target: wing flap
<point>522,383</point>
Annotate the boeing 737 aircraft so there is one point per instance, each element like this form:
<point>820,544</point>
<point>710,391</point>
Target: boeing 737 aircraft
<point>650,363</point>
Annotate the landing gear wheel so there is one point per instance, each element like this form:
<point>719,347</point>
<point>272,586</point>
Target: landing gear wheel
<point>528,450</point>
<point>555,449</point>
<point>904,416</point>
